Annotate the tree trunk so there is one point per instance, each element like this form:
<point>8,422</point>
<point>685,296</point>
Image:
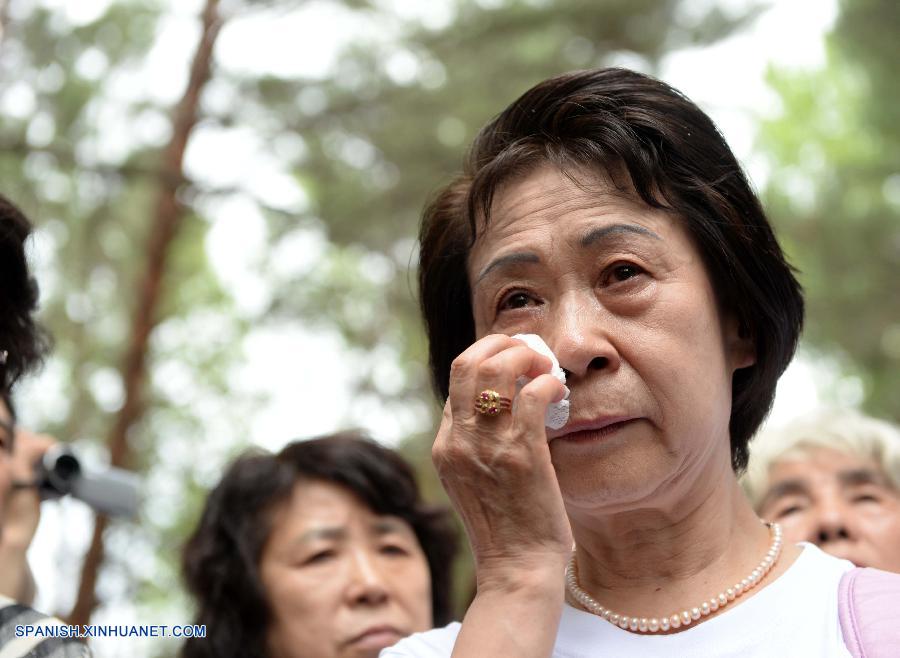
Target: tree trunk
<point>164,227</point>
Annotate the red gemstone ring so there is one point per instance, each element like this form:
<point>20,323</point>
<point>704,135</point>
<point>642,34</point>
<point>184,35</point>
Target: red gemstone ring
<point>491,403</point>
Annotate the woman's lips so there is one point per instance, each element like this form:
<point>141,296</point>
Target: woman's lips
<point>377,637</point>
<point>591,430</point>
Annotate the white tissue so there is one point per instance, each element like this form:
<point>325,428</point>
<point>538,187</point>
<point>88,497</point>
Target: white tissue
<point>557,412</point>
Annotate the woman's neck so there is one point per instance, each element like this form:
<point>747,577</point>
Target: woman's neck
<point>651,562</point>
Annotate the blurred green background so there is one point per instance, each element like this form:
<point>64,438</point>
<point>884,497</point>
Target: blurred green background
<point>227,196</point>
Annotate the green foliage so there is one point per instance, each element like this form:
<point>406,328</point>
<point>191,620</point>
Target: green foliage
<point>835,195</point>
<point>91,194</point>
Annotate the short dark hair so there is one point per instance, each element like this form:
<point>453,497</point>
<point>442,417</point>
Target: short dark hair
<point>23,340</point>
<point>221,559</point>
<point>614,122</point>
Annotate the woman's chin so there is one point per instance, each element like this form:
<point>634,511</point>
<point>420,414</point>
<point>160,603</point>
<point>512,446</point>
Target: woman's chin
<point>610,488</point>
<point>601,479</point>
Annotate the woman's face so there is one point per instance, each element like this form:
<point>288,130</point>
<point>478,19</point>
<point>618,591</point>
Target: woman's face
<point>838,500</point>
<point>342,581</point>
<point>620,294</point>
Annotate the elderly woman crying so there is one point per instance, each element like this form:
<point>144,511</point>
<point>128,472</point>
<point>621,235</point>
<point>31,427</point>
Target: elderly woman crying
<point>603,213</point>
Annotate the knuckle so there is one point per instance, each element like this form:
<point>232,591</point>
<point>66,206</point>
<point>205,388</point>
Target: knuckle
<point>446,455</point>
<point>439,457</point>
<point>460,367</point>
<point>545,363</point>
<point>437,453</point>
<point>446,451</point>
<point>511,460</point>
<point>529,397</point>
<point>490,369</point>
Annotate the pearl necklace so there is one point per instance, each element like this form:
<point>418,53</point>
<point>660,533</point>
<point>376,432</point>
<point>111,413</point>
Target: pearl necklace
<point>685,617</point>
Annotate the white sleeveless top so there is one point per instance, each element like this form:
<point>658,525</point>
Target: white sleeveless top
<point>796,615</point>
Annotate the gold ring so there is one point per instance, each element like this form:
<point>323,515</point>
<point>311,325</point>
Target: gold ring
<point>491,403</point>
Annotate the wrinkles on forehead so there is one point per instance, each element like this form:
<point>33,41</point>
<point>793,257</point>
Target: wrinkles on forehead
<point>610,215</point>
<point>377,527</point>
<point>597,191</point>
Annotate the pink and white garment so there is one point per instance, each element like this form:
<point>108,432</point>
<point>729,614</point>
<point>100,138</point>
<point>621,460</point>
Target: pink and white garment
<point>795,615</point>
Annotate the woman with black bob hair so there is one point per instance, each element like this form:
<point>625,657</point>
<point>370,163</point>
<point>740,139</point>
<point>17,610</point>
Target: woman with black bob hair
<point>23,342</point>
<point>608,312</point>
<point>323,550</point>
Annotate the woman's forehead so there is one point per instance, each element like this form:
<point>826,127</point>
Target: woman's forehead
<point>548,189</point>
<point>316,499</point>
<point>556,204</point>
<point>320,508</point>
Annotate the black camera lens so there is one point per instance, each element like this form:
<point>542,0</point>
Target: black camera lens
<point>110,490</point>
<point>66,467</point>
<point>58,471</point>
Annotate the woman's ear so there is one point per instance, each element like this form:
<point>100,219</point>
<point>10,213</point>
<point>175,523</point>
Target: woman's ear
<point>741,346</point>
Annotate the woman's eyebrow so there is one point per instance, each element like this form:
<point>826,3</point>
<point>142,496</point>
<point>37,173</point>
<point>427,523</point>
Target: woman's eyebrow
<point>593,236</point>
<point>507,260</point>
<point>794,487</point>
<point>602,232</point>
<point>328,533</point>
<point>860,476</point>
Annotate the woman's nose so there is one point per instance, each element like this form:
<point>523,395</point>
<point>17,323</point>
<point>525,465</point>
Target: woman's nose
<point>827,534</point>
<point>367,584</point>
<point>832,523</point>
<point>580,335</point>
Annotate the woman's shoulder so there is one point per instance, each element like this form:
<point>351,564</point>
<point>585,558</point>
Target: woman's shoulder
<point>868,601</point>
<point>436,643</point>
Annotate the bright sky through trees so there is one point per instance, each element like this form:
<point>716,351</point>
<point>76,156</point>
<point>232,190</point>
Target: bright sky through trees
<point>293,369</point>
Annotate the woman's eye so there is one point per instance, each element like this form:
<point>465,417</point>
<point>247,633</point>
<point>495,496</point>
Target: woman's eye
<point>865,498</point>
<point>516,300</point>
<point>787,511</point>
<point>391,549</point>
<point>625,271</point>
<point>318,558</point>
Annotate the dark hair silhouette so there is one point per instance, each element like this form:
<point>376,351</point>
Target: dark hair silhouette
<point>23,343</point>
